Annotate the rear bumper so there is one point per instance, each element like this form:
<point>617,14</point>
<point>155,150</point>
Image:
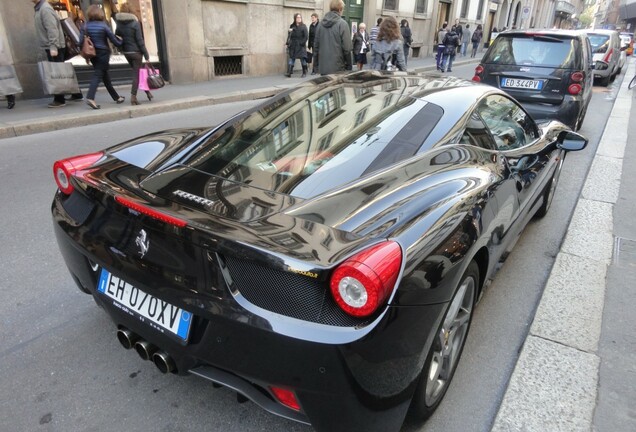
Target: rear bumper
<point>365,385</point>
<point>567,112</point>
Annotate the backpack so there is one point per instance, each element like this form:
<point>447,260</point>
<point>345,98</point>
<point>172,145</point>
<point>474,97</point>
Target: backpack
<point>475,37</point>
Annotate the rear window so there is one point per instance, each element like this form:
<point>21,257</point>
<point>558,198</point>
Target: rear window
<point>305,145</point>
<point>599,42</point>
<point>539,50</point>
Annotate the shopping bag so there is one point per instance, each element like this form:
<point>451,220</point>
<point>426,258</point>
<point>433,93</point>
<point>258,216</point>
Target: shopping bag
<point>58,78</point>
<point>154,80</point>
<point>9,84</point>
<point>71,38</point>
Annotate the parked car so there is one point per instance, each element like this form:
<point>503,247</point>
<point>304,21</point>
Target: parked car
<point>548,71</point>
<point>606,48</point>
<point>627,39</point>
<point>321,253</point>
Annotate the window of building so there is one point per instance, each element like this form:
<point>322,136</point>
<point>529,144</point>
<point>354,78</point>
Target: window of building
<point>420,6</point>
<point>391,5</point>
<point>480,10</point>
<point>464,10</point>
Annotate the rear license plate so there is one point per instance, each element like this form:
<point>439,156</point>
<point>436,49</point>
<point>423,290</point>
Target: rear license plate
<point>521,83</point>
<point>158,314</point>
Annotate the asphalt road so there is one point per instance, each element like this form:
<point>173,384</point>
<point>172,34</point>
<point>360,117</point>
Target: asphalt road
<point>62,369</point>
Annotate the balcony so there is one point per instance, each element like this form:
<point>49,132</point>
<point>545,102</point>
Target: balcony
<point>564,7</point>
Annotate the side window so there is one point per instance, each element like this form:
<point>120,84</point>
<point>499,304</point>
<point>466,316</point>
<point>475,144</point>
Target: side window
<point>476,133</point>
<point>509,124</point>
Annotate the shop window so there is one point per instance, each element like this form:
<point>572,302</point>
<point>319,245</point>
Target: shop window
<point>391,5</point>
<point>229,65</point>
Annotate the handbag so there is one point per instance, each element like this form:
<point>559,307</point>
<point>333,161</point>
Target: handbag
<point>9,84</point>
<point>154,79</point>
<point>309,57</point>
<point>58,78</point>
<point>88,49</point>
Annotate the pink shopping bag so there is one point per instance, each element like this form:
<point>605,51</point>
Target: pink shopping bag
<point>143,79</point>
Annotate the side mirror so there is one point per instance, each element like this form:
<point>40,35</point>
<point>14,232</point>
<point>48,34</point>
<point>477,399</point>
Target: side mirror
<point>571,141</point>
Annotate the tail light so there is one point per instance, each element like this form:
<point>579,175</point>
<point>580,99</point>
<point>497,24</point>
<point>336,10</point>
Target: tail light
<point>148,211</point>
<point>577,83</point>
<point>64,169</point>
<point>577,76</point>
<point>286,397</point>
<point>575,89</point>
<point>362,283</point>
<point>607,57</point>
<point>478,71</point>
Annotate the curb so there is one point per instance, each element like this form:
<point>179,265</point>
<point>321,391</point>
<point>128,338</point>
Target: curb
<point>554,385</point>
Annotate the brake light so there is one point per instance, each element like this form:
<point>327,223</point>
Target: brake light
<point>286,397</point>
<point>606,59</point>
<point>577,76</point>
<point>478,71</point>
<point>64,169</point>
<point>145,210</point>
<point>575,89</point>
<point>362,283</point>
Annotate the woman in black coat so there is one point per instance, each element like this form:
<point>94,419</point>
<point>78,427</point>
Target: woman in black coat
<point>296,45</point>
<point>361,45</point>
<point>129,29</point>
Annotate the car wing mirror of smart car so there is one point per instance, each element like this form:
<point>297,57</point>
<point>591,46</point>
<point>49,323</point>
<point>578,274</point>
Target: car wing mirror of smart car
<point>571,141</point>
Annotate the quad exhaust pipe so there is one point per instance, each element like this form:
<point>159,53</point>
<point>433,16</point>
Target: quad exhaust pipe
<point>147,351</point>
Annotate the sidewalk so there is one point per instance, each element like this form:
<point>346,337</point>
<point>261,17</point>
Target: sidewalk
<point>577,370</point>
<point>33,116</point>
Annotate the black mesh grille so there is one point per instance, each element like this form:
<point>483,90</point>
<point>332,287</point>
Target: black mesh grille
<point>288,294</point>
<point>78,207</point>
<point>230,65</point>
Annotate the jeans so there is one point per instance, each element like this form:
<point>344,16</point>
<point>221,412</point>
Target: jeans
<point>59,58</point>
<point>101,64</point>
<point>464,45</point>
<point>134,60</point>
<point>440,55</point>
<point>406,53</point>
<point>448,57</point>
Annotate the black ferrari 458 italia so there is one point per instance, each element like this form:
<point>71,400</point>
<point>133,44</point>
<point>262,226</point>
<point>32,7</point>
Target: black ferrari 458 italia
<point>321,253</point>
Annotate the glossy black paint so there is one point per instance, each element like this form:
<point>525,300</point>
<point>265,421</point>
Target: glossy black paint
<point>443,202</point>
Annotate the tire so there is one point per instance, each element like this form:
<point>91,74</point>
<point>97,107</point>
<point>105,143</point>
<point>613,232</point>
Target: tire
<point>604,81</point>
<point>548,192</point>
<point>632,83</point>
<point>448,344</point>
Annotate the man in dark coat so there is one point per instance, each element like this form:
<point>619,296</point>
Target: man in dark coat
<point>451,42</point>
<point>332,45</point>
<point>312,35</point>
<point>296,45</point>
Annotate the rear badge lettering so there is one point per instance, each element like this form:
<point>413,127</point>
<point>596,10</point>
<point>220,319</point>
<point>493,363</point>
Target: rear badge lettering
<point>194,198</point>
<point>304,273</point>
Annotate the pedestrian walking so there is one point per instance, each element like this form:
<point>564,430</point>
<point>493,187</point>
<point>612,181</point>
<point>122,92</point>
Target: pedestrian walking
<point>451,42</point>
<point>100,34</point>
<point>389,50</point>
<point>466,39</point>
<point>441,48</point>
<point>361,45</point>
<point>407,38</point>
<point>133,47</point>
<point>476,39</point>
<point>9,83</point>
<point>51,38</point>
<point>297,36</point>
<point>310,41</point>
<point>373,36</point>
<point>460,33</point>
<point>332,45</point>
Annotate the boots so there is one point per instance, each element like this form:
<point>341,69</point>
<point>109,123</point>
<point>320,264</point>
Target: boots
<point>304,71</point>
<point>149,95</point>
<point>290,69</point>
<point>133,100</point>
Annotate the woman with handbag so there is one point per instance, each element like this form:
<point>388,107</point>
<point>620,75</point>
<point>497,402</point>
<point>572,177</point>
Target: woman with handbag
<point>296,42</point>
<point>99,33</point>
<point>129,29</point>
<point>361,45</point>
